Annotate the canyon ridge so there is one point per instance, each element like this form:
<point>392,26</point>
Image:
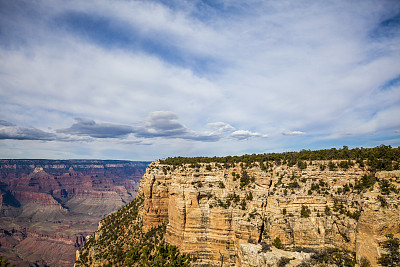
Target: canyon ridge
<point>48,207</point>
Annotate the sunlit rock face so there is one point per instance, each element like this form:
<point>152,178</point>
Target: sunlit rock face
<point>224,214</point>
<point>48,207</point>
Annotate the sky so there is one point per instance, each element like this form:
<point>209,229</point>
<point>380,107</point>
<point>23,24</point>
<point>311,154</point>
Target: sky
<point>143,80</point>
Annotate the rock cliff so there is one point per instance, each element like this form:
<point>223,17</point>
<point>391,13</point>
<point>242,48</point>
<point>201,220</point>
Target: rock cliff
<point>211,216</point>
<point>230,214</point>
<point>48,207</point>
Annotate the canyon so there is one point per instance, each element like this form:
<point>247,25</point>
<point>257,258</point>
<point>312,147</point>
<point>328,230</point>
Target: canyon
<point>257,213</point>
<point>49,207</point>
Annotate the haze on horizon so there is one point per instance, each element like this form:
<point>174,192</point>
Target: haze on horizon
<point>143,80</point>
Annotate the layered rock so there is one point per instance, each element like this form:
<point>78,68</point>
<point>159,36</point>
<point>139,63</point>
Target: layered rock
<point>42,199</point>
<point>48,207</point>
<point>220,214</point>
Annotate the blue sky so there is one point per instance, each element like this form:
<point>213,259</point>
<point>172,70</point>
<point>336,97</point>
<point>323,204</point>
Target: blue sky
<point>143,80</point>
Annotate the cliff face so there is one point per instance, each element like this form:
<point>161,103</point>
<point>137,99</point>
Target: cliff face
<point>48,207</point>
<point>228,213</point>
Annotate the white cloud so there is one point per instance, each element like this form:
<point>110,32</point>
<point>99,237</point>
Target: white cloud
<point>244,135</point>
<point>293,132</point>
<point>243,63</point>
<point>220,127</point>
<point>165,124</point>
<point>159,124</point>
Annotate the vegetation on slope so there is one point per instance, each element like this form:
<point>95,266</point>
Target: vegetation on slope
<point>377,158</point>
<point>5,262</point>
<point>151,250</point>
<point>391,254</point>
<point>120,241</point>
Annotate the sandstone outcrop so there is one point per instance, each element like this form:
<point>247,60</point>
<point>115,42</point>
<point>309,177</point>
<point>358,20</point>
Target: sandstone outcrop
<point>308,208</point>
<point>214,213</point>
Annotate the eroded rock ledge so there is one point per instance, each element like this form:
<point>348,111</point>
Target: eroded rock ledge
<point>225,213</point>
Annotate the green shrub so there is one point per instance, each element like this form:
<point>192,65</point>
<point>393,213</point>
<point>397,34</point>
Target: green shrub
<point>294,184</point>
<point>265,247</point>
<point>366,182</point>
<point>305,212</point>
<point>354,215</point>
<point>283,261</point>
<point>333,256</point>
<point>364,262</point>
<point>251,241</point>
<point>386,187</point>
<point>277,243</point>
<point>301,165</point>
<point>383,201</point>
<point>5,262</point>
<point>391,256</point>
<point>245,179</point>
<point>332,166</point>
<point>344,165</point>
<point>249,196</point>
<point>243,204</point>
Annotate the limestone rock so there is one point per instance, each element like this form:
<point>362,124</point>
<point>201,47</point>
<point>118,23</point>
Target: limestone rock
<point>211,215</point>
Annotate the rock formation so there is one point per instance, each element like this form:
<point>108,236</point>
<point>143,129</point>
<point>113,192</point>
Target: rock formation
<point>336,211</point>
<point>48,207</point>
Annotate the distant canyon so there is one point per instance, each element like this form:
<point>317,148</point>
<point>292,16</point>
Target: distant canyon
<point>49,207</point>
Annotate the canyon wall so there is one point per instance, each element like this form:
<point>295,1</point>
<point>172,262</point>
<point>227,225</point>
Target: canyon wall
<point>48,207</point>
<point>230,214</point>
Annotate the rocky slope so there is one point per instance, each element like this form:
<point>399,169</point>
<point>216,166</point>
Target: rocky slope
<point>48,207</point>
<point>229,214</point>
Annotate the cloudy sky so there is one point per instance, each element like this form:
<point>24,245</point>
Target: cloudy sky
<point>143,80</point>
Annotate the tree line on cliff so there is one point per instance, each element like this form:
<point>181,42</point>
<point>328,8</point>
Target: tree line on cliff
<point>378,158</point>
